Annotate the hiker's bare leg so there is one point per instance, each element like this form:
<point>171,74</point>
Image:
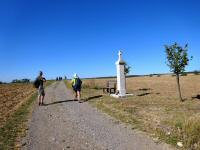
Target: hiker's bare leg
<point>39,98</point>
<point>79,95</point>
<point>75,96</point>
<point>42,100</point>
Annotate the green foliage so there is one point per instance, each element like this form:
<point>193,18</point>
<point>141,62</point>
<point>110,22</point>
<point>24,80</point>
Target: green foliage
<point>127,68</point>
<point>21,81</point>
<point>177,57</point>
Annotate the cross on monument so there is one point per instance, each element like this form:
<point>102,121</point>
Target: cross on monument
<point>120,55</point>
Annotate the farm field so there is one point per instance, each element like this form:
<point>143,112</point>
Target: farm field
<point>11,98</point>
<point>155,107</point>
<point>16,101</point>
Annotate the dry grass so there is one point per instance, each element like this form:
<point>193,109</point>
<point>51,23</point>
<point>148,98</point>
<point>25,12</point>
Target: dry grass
<point>166,85</point>
<point>94,83</point>
<point>156,109</point>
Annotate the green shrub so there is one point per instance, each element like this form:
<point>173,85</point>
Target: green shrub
<point>196,72</point>
<point>184,74</point>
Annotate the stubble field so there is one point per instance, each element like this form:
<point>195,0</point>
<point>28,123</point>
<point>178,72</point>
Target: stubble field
<point>155,107</point>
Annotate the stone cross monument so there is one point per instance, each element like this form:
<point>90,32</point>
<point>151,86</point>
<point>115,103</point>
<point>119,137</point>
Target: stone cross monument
<point>120,76</point>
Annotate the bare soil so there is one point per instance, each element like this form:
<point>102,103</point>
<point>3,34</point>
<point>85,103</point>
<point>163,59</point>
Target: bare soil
<point>12,96</point>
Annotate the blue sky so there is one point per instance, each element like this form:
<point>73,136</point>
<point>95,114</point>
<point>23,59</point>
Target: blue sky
<point>62,37</point>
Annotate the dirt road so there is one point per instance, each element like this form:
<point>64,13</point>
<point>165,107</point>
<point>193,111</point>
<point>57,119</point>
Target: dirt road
<point>66,124</point>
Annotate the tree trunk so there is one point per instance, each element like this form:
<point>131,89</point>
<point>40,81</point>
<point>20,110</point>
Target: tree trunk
<point>179,89</point>
<point>125,81</point>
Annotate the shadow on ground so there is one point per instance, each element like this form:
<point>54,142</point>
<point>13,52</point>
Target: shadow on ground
<point>92,97</point>
<point>144,89</point>
<point>196,97</point>
<point>143,94</point>
<point>58,102</point>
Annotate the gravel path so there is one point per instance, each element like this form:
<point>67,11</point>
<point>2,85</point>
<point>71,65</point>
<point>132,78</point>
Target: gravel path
<point>65,124</point>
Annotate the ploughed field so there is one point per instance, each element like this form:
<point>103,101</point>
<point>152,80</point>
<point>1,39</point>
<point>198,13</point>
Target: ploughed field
<point>155,107</point>
<point>12,97</point>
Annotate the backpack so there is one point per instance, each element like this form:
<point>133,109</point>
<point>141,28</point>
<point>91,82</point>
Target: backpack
<point>36,83</point>
<point>78,83</point>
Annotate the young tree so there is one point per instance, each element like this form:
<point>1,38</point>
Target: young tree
<point>177,58</point>
<point>127,69</point>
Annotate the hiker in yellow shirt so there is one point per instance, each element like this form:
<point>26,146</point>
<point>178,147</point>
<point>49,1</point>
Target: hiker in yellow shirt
<point>76,84</point>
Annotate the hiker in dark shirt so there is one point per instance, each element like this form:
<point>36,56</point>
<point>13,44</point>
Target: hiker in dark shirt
<point>41,92</point>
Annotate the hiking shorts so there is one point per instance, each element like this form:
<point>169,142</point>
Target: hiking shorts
<point>77,89</point>
<point>41,92</point>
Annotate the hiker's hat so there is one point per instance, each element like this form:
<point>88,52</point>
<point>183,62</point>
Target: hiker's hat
<point>75,75</point>
<point>40,73</point>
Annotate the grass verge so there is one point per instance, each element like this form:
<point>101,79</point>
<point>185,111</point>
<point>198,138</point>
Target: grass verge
<point>68,84</point>
<point>15,124</point>
<point>9,132</point>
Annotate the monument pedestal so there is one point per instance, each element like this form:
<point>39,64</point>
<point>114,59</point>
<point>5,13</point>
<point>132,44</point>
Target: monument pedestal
<point>118,96</point>
<point>121,84</point>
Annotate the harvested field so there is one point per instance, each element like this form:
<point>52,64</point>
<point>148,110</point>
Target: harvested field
<point>166,86</point>
<point>15,104</point>
<point>155,107</point>
<point>11,97</point>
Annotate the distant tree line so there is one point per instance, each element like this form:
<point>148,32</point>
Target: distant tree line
<point>21,81</point>
<point>197,72</point>
<point>1,82</point>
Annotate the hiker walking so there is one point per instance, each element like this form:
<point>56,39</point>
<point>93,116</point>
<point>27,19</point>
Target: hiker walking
<point>39,84</point>
<point>76,84</point>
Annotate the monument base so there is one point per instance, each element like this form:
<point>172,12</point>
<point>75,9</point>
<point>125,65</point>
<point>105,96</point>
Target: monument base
<point>120,96</point>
